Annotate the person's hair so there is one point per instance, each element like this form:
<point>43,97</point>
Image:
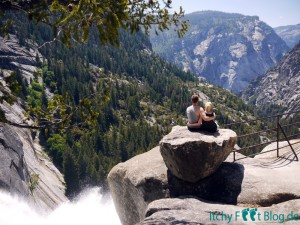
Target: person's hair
<point>195,98</point>
<point>208,106</point>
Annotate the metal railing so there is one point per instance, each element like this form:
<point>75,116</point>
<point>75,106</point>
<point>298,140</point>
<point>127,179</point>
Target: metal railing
<point>270,124</point>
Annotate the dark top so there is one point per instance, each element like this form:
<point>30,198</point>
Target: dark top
<point>209,126</point>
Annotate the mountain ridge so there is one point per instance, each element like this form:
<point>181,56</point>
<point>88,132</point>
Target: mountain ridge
<point>280,85</point>
<point>226,49</point>
<point>290,34</point>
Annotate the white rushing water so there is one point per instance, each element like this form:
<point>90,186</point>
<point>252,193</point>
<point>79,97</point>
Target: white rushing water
<point>90,208</point>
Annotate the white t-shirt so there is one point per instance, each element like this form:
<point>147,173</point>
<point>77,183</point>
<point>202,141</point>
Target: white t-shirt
<point>192,113</point>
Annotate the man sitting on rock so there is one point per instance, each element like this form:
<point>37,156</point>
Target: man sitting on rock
<point>196,114</point>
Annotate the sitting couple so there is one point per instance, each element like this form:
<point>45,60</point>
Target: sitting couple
<point>200,119</point>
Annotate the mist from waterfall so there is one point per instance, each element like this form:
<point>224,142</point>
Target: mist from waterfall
<point>91,208</point>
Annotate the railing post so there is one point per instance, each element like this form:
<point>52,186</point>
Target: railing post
<point>278,129</point>
<point>278,135</point>
<point>286,138</point>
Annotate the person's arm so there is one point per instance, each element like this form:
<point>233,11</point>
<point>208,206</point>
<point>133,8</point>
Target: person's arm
<point>206,118</point>
<point>198,124</point>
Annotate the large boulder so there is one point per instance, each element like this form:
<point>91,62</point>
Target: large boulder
<point>252,182</point>
<point>192,156</point>
<point>137,182</point>
<point>145,178</point>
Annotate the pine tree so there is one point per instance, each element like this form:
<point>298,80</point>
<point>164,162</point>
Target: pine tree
<point>70,169</point>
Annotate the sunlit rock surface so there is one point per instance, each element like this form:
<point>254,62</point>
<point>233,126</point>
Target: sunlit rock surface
<point>263,181</point>
<point>26,168</point>
<point>280,85</point>
<point>192,156</point>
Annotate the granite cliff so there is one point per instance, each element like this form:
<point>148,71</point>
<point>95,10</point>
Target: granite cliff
<point>25,168</point>
<point>229,50</point>
<point>280,85</point>
<point>290,34</point>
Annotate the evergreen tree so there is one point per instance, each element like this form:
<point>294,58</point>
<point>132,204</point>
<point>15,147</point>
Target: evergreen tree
<point>70,169</point>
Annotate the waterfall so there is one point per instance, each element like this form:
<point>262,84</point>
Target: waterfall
<point>90,208</point>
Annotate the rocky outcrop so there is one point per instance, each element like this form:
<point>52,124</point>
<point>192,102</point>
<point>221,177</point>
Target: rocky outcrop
<point>145,178</point>
<point>192,156</point>
<point>14,174</point>
<point>137,182</point>
<point>24,172</point>
<point>227,49</point>
<point>280,85</point>
<point>13,56</point>
<point>43,185</point>
<point>285,206</point>
<point>252,182</point>
<point>25,168</point>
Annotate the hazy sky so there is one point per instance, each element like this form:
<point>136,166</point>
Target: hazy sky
<point>274,12</point>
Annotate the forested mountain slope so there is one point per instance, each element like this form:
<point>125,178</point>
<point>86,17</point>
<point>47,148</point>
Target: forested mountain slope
<point>135,97</point>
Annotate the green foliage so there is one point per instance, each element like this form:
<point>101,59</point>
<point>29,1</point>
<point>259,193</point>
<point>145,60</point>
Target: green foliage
<point>2,116</point>
<point>56,147</point>
<point>70,170</point>
<point>11,87</point>
<point>34,180</point>
<point>74,20</point>
<point>108,104</point>
<point>105,104</point>
<point>37,87</point>
<point>11,84</point>
<point>270,109</point>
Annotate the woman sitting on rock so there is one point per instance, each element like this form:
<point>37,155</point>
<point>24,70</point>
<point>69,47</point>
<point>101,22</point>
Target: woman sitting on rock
<point>196,115</point>
<point>211,125</point>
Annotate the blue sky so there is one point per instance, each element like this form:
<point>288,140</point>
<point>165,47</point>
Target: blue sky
<point>274,12</point>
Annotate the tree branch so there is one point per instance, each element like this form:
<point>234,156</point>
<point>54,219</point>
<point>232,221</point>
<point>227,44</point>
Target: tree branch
<point>25,5</point>
<point>50,42</point>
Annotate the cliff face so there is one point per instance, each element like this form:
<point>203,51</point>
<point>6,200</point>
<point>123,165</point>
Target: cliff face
<point>25,169</point>
<point>14,175</point>
<point>229,50</point>
<point>290,34</point>
<point>280,85</point>
<point>13,56</point>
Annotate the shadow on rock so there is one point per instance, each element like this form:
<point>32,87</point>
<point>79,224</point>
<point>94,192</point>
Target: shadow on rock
<point>223,186</point>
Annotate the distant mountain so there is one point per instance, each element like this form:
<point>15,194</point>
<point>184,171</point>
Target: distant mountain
<point>290,34</point>
<point>280,86</point>
<point>229,50</point>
